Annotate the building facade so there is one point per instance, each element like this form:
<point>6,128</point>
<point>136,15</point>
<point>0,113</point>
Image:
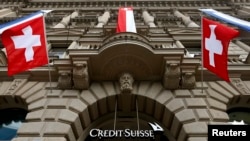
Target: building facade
<point>100,79</point>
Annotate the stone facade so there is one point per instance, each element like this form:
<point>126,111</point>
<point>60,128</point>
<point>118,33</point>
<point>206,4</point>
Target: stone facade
<point>68,114</point>
<point>97,73</point>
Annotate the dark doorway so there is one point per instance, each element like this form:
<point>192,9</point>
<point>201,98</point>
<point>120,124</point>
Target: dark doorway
<point>239,114</point>
<point>10,121</point>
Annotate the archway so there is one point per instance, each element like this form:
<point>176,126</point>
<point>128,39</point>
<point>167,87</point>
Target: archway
<point>239,114</point>
<point>132,110</point>
<point>239,109</point>
<point>13,111</point>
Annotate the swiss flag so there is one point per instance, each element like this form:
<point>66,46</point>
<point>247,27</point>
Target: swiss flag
<point>216,38</point>
<point>126,21</point>
<point>25,43</point>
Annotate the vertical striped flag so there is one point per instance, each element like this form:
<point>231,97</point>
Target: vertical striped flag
<point>126,21</point>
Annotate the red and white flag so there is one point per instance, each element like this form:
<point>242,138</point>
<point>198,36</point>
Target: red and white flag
<point>126,21</point>
<point>216,38</point>
<point>25,43</point>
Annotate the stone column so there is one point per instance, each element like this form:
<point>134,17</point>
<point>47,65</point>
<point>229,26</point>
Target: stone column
<point>242,10</point>
<point>180,45</point>
<point>149,20</point>
<point>102,20</point>
<point>244,47</point>
<point>186,20</point>
<point>6,12</point>
<point>65,21</point>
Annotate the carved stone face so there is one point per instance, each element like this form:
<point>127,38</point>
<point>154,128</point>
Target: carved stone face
<point>126,82</point>
<point>80,71</point>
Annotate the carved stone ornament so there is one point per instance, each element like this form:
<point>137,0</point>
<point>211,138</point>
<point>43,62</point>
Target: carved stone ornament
<point>65,81</point>
<point>171,77</point>
<point>188,80</point>
<point>81,76</point>
<point>240,86</point>
<point>126,82</point>
<point>15,85</point>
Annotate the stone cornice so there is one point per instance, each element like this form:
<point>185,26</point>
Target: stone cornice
<point>114,4</point>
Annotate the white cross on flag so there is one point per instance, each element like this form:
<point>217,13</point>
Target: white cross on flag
<point>25,43</point>
<point>216,38</point>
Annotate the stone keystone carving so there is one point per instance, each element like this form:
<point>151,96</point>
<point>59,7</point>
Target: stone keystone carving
<point>65,81</point>
<point>188,80</point>
<point>126,82</point>
<point>171,77</point>
<point>81,76</point>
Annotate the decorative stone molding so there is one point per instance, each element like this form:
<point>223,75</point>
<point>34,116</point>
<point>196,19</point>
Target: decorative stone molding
<point>80,75</point>
<point>65,81</point>
<point>126,82</point>
<point>64,69</point>
<point>188,80</point>
<point>189,69</point>
<point>240,86</point>
<point>16,84</point>
<point>171,78</point>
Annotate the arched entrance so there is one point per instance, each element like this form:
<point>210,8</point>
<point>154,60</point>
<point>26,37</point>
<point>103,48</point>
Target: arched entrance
<point>128,114</point>
<point>13,111</point>
<point>74,113</point>
<point>239,109</point>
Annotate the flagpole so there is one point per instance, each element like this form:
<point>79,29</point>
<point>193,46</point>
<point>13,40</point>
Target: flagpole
<point>202,65</point>
<point>137,114</point>
<point>115,112</point>
<point>50,85</point>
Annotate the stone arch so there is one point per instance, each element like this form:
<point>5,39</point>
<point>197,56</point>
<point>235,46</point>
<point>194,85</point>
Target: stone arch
<point>100,105</point>
<point>10,97</point>
<point>129,37</point>
<point>8,102</point>
<point>154,101</point>
<point>13,109</point>
<point>176,110</point>
<point>66,114</point>
<point>228,96</point>
<point>240,102</point>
